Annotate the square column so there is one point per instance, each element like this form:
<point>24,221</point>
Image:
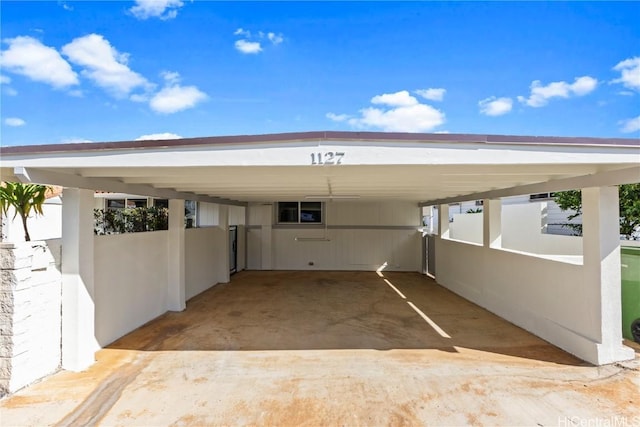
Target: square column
<point>443,221</point>
<point>78,305</point>
<point>224,256</point>
<point>602,281</point>
<point>176,299</point>
<point>492,223</point>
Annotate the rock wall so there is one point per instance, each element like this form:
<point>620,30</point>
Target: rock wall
<point>30,313</point>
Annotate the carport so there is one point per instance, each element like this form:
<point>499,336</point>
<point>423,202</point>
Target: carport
<point>371,188</point>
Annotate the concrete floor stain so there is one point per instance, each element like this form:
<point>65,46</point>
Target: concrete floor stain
<point>103,397</point>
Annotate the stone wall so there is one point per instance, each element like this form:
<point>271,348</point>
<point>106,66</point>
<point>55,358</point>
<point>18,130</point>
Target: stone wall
<point>30,313</point>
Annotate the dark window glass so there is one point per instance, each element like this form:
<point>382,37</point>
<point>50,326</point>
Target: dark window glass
<point>311,212</point>
<point>288,212</point>
<point>161,203</point>
<point>136,203</point>
<point>190,209</point>
<point>115,203</point>
<point>539,196</point>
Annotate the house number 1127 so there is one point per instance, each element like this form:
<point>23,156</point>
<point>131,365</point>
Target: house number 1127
<point>328,158</point>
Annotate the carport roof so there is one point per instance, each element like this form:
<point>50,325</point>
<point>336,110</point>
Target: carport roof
<point>324,136</point>
<point>367,165</point>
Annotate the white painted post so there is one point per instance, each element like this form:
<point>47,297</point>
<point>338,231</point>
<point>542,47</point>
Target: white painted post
<point>176,299</point>
<point>223,253</point>
<point>492,223</point>
<point>601,248</point>
<point>443,222</point>
<point>266,235</point>
<point>78,305</point>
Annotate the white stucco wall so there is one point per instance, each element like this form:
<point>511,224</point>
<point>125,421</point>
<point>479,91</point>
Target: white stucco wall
<point>203,263</point>
<point>466,227</point>
<point>523,227</point>
<point>130,282</point>
<point>543,296</point>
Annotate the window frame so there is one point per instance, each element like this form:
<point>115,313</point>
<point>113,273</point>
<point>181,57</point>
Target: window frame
<point>299,210</point>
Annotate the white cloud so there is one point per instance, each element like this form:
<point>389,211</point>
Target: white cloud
<point>10,91</point>
<point>74,140</point>
<point>398,99</point>
<point>173,97</point>
<point>104,65</point>
<point>158,136</point>
<point>629,73</point>
<point>5,80</point>
<point>630,125</point>
<point>14,122</point>
<point>274,38</point>
<point>399,112</point>
<point>248,47</point>
<point>251,43</point>
<point>29,57</point>
<point>540,95</point>
<point>163,9</point>
<point>337,117</point>
<point>432,94</point>
<point>493,106</point>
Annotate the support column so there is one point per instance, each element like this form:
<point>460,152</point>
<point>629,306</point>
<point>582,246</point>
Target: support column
<point>176,269</point>
<point>78,305</point>
<point>224,255</point>
<point>601,249</point>
<point>492,223</point>
<point>443,221</point>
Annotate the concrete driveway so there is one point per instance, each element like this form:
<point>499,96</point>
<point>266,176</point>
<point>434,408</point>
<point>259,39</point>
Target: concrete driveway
<point>331,348</point>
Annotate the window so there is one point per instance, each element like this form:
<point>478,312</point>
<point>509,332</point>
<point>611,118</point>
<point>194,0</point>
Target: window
<point>541,196</point>
<point>190,209</point>
<point>136,203</point>
<point>161,203</point>
<point>300,212</point>
<point>113,204</point>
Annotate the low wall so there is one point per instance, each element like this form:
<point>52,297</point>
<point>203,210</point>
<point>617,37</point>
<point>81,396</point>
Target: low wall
<point>522,230</point>
<point>130,280</point>
<point>30,320</point>
<point>522,226</point>
<point>543,296</point>
<point>204,261</point>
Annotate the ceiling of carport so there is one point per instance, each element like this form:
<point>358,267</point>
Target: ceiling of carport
<point>407,182</point>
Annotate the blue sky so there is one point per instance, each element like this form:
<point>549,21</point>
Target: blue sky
<point>106,71</point>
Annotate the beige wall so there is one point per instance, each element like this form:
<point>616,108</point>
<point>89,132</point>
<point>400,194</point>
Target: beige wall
<point>359,236</point>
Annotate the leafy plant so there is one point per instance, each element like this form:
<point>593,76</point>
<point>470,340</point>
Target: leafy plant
<point>472,211</point>
<point>24,199</point>
<point>629,195</point>
<point>130,220</point>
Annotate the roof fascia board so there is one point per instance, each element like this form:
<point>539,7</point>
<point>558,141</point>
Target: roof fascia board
<point>322,136</point>
<point>39,176</point>
<point>601,179</point>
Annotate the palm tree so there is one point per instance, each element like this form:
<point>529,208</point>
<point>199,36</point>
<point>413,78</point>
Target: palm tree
<point>23,198</point>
